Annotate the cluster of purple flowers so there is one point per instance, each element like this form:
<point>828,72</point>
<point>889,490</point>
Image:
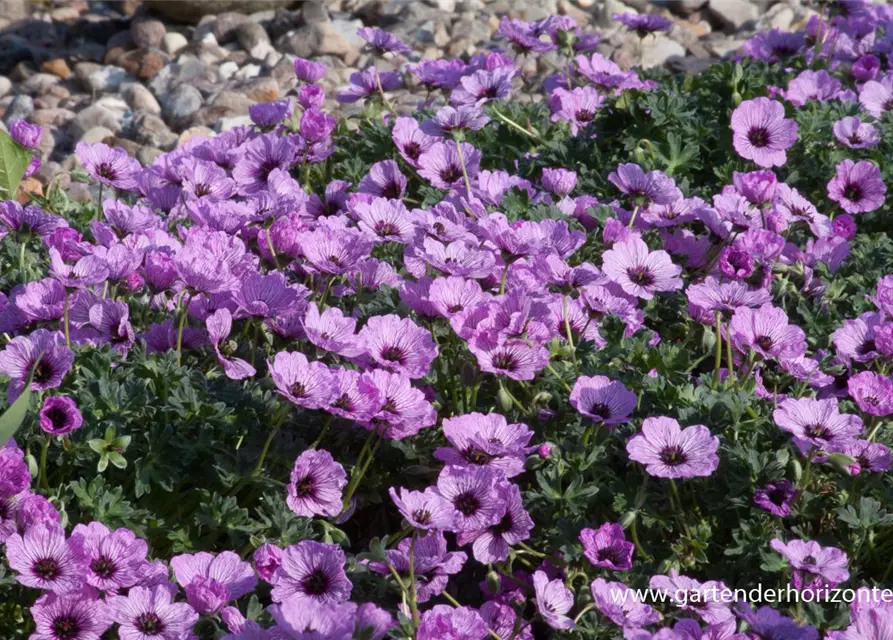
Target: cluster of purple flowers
<point>220,232</point>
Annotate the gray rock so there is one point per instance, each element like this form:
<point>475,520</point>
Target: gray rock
<point>52,117</point>
<point>96,134</point>
<point>314,12</point>
<point>187,70</point>
<point>147,32</point>
<point>227,70</point>
<point>234,101</point>
<point>251,34</point>
<point>192,11</point>
<point>224,27</point>
<point>39,84</point>
<point>658,49</point>
<point>5,85</point>
<point>448,6</point>
<point>95,116</point>
<point>147,155</point>
<point>683,7</point>
<point>733,14</point>
<point>225,124</point>
<point>99,78</point>
<point>173,42</point>
<point>336,38</point>
<point>139,98</point>
<point>20,108</point>
<point>149,129</point>
<point>180,103</point>
<point>247,72</point>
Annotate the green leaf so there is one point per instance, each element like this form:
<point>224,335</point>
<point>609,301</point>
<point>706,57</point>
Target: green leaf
<point>14,416</point>
<point>14,161</point>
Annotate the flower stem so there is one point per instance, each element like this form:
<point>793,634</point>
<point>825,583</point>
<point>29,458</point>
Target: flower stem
<point>277,424</point>
<point>44,448</point>
<point>363,461</point>
<point>533,133</point>
<point>464,170</point>
<point>718,362</point>
<point>183,314</point>
<point>65,319</point>
<point>323,432</point>
<point>632,219</point>
<point>555,373</point>
<point>413,589</point>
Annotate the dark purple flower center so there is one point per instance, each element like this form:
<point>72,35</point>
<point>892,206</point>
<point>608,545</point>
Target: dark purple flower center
<point>817,431</point>
<point>477,456</point>
<point>202,189</point>
<point>298,390</point>
<point>888,105</point>
<point>335,260</point>
<point>866,347</point>
<point>422,516</point>
<point>105,170</point>
<point>46,568</point>
<point>451,174</point>
<point>66,628</point>
<point>316,584</point>
<point>386,228</point>
<point>764,342</point>
<point>412,150</point>
<point>777,496</point>
<point>467,504</point>
<point>505,361</point>
<point>266,168</point>
<point>855,138</point>
<point>490,92</point>
<point>758,137</point>
<point>505,525</point>
<point>640,276</point>
<point>673,456</point>
<point>810,560</point>
<point>852,192</point>
<point>611,554</point>
<point>393,354</point>
<point>305,487</point>
<point>5,509</point>
<point>57,416</point>
<point>600,409</point>
<point>103,567</point>
<point>391,190</point>
<point>456,308</point>
<point>149,623</point>
<point>43,372</point>
<point>584,115</point>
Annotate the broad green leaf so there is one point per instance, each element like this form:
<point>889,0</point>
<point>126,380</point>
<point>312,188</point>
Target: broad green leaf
<point>14,416</point>
<point>14,161</point>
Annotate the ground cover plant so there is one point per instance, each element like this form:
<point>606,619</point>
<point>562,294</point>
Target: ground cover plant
<point>483,370</point>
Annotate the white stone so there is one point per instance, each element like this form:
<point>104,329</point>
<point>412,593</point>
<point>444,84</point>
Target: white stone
<point>225,124</point>
<point>261,50</point>
<point>659,49</point>
<point>227,70</point>
<point>173,42</point>
<point>208,38</point>
<point>248,71</point>
<point>734,13</point>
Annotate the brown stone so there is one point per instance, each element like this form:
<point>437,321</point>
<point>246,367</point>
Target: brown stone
<point>143,63</point>
<point>259,89</point>
<point>113,55</point>
<point>56,66</point>
<point>27,188</point>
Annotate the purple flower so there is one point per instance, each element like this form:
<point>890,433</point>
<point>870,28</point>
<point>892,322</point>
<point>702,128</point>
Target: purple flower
<point>452,295</point>
<point>703,598</point>
<point>25,219</point>
<point>857,187</point>
<point>502,620</point>
<point>813,565</point>
<point>366,83</point>
<point>475,494</point>
<point>306,384</point>
<point>523,37</point>
<point>766,622</point>
<point>645,188</point>
<point>622,605</point>
<point>384,220</point>
<point>485,440</point>
<point>59,416</point>
<point>403,410</point>
<point>89,270</point>
<point>14,475</point>
<point>577,106</point>
<point>316,484</point>
<point>641,272</point>
<point>448,121</point>
<point>44,559</point>
<point>309,71</point>
<point>219,325</point>
<point>384,180</point>
<point>382,42</point>
<point>603,400</point>
<point>439,74</point>
<point>817,423</point>
<point>667,451</point>
<point>399,345</point>
<point>559,182</point>
<point>493,543</point>
<point>424,509</point>
<point>776,498</point>
<point>553,601</point>
<point>334,251</point>
<point>433,563</point>
<point>411,141</point>
<point>111,167</point>
<point>267,559</point>
<point>25,134</point>
<point>442,167</point>
<point>259,158</point>
<point>484,86</point>
<point>443,622</point>
<point>872,392</point>
<point>761,133</point>
<point>313,573</point>
<point>607,547</point>
<point>515,360</point>
<point>876,96</point>
<point>42,352</point>
<point>853,133</point>
<point>643,24</point>
<point>213,581</point>
<point>736,263</point>
<point>332,330</point>
<point>767,332</point>
<point>79,616</point>
<point>855,340</point>
<point>311,96</point>
<point>812,85</point>
<point>869,456</point>
<point>115,559</point>
<point>149,612</point>
<point>42,301</point>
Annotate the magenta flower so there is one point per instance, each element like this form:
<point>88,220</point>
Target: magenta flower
<point>776,498</point>
<point>443,622</point>
<point>475,494</point>
<point>411,141</point>
<point>452,295</point>
<point>355,397</point>
<point>59,416</point>
<point>641,272</point>
<point>483,86</point>
<point>384,220</point>
<point>267,559</point>
<point>213,581</point>
<point>441,166</point>
<point>332,331</point>
<point>219,325</point>
<point>857,187</point>
<point>876,96</point>
<point>553,601</point>
<point>817,423</point>
<point>654,187</point>
<point>14,475</point>
<point>855,340</point>
<point>440,73</point>
<point>403,409</point>
<point>643,24</point>
<point>493,544</point>
<point>813,565</point>
<point>450,122</point>
<point>111,167</point>
<point>433,563</point>
<point>384,180</point>
<point>76,616</point>
<point>607,547</point>
<point>622,605</point>
<point>667,451</point>
<point>485,440</point>
<point>424,509</point>
<point>869,456</point>
<point>334,251</point>
<point>559,182</point>
<point>42,352</point>
<point>812,85</point>
<point>767,332</point>
<point>44,559</point>
<point>761,133</point>
<point>42,300</point>
<point>872,392</point>
<point>515,360</point>
<point>149,612</point>
<point>853,133</point>
<point>577,106</point>
<point>115,559</point>
<point>313,573</point>
<point>366,83</point>
<point>294,619</point>
<point>301,382</point>
<point>382,42</point>
<point>704,599</point>
<point>399,345</point>
<point>603,400</point>
<point>316,485</point>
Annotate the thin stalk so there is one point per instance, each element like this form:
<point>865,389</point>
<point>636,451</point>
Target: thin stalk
<point>505,272</point>
<point>567,323</point>
<point>359,470</point>
<point>183,315</point>
<point>632,219</point>
<point>533,133</point>
<point>413,589</point>
<point>634,535</point>
<point>384,98</point>
<point>876,422</point>
<point>555,373</point>
<point>464,170</point>
<point>730,363</point>
<point>718,362</point>
<point>22,258</point>
<point>44,448</point>
<point>589,607</point>
<point>677,505</point>
<point>323,432</point>
<point>272,250</point>
<point>65,318</point>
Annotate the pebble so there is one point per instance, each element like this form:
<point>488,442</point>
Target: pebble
<point>224,27</point>
<point>96,134</point>
<point>143,63</point>
<point>733,14</point>
<point>57,67</point>
<point>149,129</point>
<point>173,42</point>
<point>147,33</point>
<point>94,116</point>
<point>180,103</point>
<point>5,85</point>
<point>227,70</point>
<point>146,155</point>
<point>20,108</point>
<point>140,98</point>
